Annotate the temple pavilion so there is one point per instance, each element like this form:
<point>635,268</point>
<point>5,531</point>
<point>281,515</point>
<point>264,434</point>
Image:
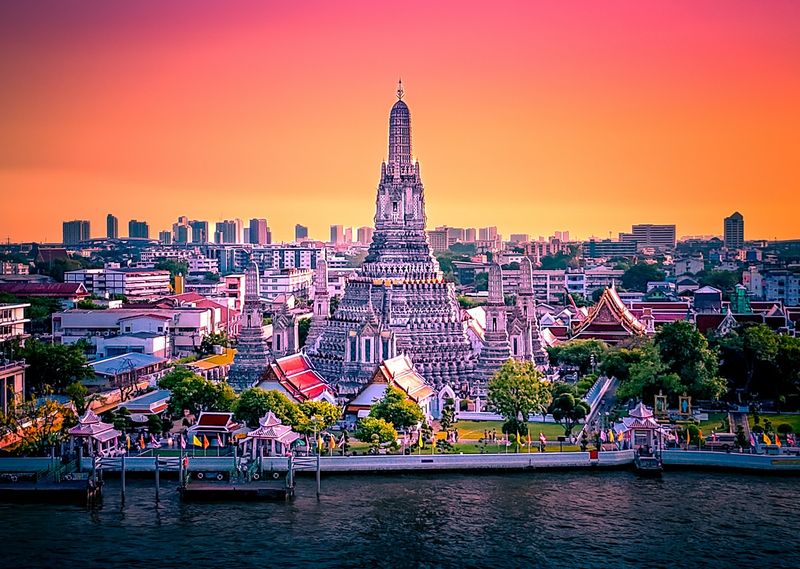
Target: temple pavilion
<point>610,321</point>
<point>93,437</point>
<point>271,438</point>
<point>640,429</point>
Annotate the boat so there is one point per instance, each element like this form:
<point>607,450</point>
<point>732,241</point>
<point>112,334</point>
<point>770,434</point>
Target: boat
<point>648,464</point>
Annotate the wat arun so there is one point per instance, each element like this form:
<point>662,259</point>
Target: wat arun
<point>399,303</point>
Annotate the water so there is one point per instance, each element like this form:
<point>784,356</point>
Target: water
<point>554,519</point>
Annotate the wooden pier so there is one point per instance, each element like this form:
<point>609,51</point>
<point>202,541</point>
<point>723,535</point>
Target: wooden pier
<point>243,492</point>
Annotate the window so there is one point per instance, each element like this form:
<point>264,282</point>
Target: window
<point>385,349</point>
<point>367,350</point>
<point>278,343</point>
<point>494,324</point>
<point>353,349</point>
<point>515,346</point>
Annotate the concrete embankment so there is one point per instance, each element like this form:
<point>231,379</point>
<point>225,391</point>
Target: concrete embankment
<point>730,461</point>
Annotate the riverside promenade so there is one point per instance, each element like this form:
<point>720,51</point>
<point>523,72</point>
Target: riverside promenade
<point>673,459</point>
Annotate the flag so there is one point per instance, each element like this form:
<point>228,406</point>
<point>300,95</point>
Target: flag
<point>154,442</point>
<point>766,440</point>
<point>332,442</point>
<point>714,436</point>
<point>205,442</point>
<point>620,437</point>
<point>688,438</point>
<point>603,436</point>
<point>542,438</point>
<point>790,440</point>
<point>183,442</point>
<point>141,440</point>
<point>341,442</point>
<point>219,441</point>
<point>752,440</point>
<point>420,443</point>
<point>518,439</point>
<point>529,438</point>
<point>196,442</point>
<point>700,433</point>
<point>320,443</point>
<point>777,440</point>
<point>611,436</point>
<point>128,441</point>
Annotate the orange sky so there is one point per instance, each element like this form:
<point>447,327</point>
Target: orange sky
<point>533,116</point>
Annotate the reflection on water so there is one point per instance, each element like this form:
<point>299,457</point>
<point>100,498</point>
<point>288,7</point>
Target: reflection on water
<point>572,519</point>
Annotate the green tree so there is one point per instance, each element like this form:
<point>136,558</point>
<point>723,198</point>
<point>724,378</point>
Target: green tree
<point>174,267</point>
<point>578,353</point>
<point>155,425</point>
<point>255,402</point>
<point>372,427</point>
<point>37,424</point>
<point>759,346</point>
<point>448,418</point>
<point>515,391</point>
<point>320,414</point>
<point>686,352</point>
<point>725,281</point>
<point>567,408</point>
<point>638,275</point>
<point>78,394</point>
<point>214,339</point>
<point>481,282</point>
<point>195,393</point>
<point>53,365</point>
<point>649,376</point>
<point>303,326</point>
<point>395,408</point>
<point>617,361</point>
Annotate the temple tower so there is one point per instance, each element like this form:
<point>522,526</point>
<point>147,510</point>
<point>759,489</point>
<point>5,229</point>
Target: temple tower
<point>495,350</point>
<point>399,303</point>
<point>532,348</point>
<point>252,352</point>
<point>322,303</point>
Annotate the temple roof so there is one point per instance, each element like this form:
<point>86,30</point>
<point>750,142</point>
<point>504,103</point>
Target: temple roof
<point>609,320</point>
<point>297,376</point>
<point>399,371</point>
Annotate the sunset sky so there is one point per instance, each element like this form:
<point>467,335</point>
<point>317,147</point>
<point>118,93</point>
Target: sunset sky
<point>533,116</point>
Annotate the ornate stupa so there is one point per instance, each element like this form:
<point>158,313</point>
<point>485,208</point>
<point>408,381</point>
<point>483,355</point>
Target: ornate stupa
<point>252,350</point>
<point>399,303</point>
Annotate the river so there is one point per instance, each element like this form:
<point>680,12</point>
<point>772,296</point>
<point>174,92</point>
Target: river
<point>539,519</point>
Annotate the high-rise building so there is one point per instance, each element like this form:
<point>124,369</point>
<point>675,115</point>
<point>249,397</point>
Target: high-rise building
<point>182,231</point>
<point>259,232</point>
<point>487,233</point>
<point>365,235</point>
<point>562,236</point>
<point>165,237</point>
<point>337,234</point>
<point>470,235</point>
<point>348,234</point>
<point>300,232</point>
<point>112,227</point>
<point>659,237</point>
<point>199,231</point>
<point>437,239</point>
<point>138,229</point>
<point>519,238</point>
<point>228,231</point>
<point>734,230</point>
<point>75,231</point>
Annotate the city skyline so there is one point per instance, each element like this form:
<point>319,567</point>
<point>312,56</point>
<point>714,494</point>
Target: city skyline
<point>690,110</point>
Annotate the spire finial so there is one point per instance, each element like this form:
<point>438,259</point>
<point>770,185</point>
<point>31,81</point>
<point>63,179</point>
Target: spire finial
<point>399,89</point>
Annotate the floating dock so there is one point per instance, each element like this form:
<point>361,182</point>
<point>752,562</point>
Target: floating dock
<point>244,492</point>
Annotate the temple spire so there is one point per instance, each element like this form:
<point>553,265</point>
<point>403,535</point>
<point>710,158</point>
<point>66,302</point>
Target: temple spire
<point>400,130</point>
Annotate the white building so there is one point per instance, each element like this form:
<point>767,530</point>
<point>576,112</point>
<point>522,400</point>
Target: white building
<point>287,257</point>
<point>12,322</point>
<point>155,331</point>
<point>132,283</point>
<point>199,264</point>
<point>297,282</point>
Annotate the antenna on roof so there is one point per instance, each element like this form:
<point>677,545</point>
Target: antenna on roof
<point>400,91</point>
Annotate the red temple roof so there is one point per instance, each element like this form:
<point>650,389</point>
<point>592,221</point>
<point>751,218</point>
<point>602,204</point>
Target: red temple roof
<point>609,320</point>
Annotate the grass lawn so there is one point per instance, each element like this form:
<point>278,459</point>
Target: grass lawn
<point>714,423</point>
<point>793,420</point>
<point>473,430</point>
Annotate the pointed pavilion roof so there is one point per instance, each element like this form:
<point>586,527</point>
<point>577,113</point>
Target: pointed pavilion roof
<point>609,320</point>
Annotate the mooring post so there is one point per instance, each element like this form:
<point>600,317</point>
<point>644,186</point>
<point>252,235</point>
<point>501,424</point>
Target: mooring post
<point>318,479</point>
<point>122,477</point>
<point>157,479</point>
<point>80,459</point>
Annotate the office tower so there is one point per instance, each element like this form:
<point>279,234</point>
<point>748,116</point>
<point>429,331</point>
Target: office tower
<point>112,227</point>
<point>660,237</point>
<point>365,235</point>
<point>165,237</point>
<point>138,229</point>
<point>228,231</point>
<point>182,231</point>
<point>300,232</point>
<point>199,231</point>
<point>470,235</point>
<point>75,231</point>
<point>734,230</point>
<point>259,233</point>
<point>337,234</point>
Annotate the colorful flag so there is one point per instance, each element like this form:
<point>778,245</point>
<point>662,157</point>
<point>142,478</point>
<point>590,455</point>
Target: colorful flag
<point>141,440</point>
<point>128,441</point>
<point>620,437</point>
<point>777,440</point>
<point>205,442</point>
<point>688,438</point>
<point>529,438</point>
<point>183,442</point>
<point>320,443</point>
<point>603,436</point>
<point>752,440</point>
<point>196,442</point>
<point>611,436</point>
<point>790,439</point>
<point>219,441</point>
<point>766,440</point>
<point>341,442</point>
<point>542,438</point>
<point>420,442</point>
<point>154,442</point>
